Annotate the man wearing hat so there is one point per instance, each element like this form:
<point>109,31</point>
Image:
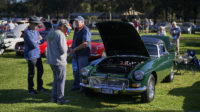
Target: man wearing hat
<point>32,39</point>
<point>81,47</point>
<point>57,58</point>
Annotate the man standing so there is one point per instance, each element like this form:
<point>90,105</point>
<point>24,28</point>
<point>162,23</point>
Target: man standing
<point>175,31</point>
<point>80,48</point>
<point>57,58</point>
<point>32,39</point>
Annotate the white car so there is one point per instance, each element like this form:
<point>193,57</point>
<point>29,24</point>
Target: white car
<point>14,36</point>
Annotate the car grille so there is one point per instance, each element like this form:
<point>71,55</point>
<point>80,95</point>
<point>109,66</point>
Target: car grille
<point>108,82</point>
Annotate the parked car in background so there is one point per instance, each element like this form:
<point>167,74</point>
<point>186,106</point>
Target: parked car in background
<point>97,47</point>
<point>2,45</point>
<point>3,26</point>
<point>133,65</point>
<point>14,36</point>
<point>19,48</point>
<point>156,27</point>
<point>187,27</point>
<point>196,29</point>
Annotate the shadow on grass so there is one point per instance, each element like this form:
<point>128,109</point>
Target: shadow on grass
<point>192,43</point>
<point>11,54</point>
<point>21,96</point>
<point>192,97</point>
<point>76,109</point>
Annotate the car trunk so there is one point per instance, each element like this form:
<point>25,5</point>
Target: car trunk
<point>119,65</point>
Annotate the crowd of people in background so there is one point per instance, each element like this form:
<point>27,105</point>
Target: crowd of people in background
<point>143,26</point>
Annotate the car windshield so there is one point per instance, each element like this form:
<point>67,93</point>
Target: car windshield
<point>152,49</point>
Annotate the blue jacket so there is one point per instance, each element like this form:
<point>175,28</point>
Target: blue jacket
<point>81,36</point>
<point>31,44</point>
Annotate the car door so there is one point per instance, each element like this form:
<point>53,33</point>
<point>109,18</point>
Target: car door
<point>164,62</point>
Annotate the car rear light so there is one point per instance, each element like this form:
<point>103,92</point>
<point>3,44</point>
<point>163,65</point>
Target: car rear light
<point>96,48</point>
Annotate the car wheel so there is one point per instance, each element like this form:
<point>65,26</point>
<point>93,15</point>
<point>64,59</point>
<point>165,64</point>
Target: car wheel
<point>1,51</point>
<point>149,94</point>
<point>170,77</point>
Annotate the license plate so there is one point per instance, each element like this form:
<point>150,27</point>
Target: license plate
<point>106,91</point>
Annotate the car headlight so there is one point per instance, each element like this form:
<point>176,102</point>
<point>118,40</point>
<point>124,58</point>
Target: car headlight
<point>139,75</point>
<point>84,72</point>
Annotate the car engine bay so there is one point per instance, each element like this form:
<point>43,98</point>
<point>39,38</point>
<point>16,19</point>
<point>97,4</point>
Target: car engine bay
<point>119,65</point>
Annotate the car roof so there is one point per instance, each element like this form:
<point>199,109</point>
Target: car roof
<point>152,40</point>
<point>165,39</point>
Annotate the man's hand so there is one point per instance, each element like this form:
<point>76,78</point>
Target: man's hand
<point>72,51</point>
<point>40,37</point>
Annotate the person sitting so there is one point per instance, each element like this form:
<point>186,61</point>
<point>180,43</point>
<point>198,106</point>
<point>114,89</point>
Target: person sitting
<point>161,31</point>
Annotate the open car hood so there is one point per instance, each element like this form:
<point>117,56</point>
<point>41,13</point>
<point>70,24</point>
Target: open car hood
<point>121,38</point>
<point>17,31</point>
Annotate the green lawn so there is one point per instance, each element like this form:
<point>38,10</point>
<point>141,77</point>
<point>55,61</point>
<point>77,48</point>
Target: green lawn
<point>182,95</point>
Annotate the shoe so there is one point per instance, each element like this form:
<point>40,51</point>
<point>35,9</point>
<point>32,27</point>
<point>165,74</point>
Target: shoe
<point>32,92</point>
<point>53,100</point>
<point>74,89</point>
<point>62,102</point>
<point>42,89</point>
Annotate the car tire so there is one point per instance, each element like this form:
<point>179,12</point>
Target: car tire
<point>170,77</point>
<point>149,94</point>
<point>1,51</point>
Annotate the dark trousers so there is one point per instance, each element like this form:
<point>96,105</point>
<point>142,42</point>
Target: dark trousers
<point>31,72</point>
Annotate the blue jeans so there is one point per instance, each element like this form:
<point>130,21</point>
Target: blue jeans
<point>59,74</point>
<point>82,62</point>
<point>76,79</point>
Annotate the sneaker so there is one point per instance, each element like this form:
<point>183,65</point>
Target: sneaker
<point>32,92</point>
<point>62,102</point>
<point>42,89</point>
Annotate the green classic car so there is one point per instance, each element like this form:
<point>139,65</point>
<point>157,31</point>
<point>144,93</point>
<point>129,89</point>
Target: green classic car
<point>133,64</point>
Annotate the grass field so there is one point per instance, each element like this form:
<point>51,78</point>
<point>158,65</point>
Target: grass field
<point>182,95</point>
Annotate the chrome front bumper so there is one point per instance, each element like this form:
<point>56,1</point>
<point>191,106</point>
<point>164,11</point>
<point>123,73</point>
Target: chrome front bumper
<point>115,90</point>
